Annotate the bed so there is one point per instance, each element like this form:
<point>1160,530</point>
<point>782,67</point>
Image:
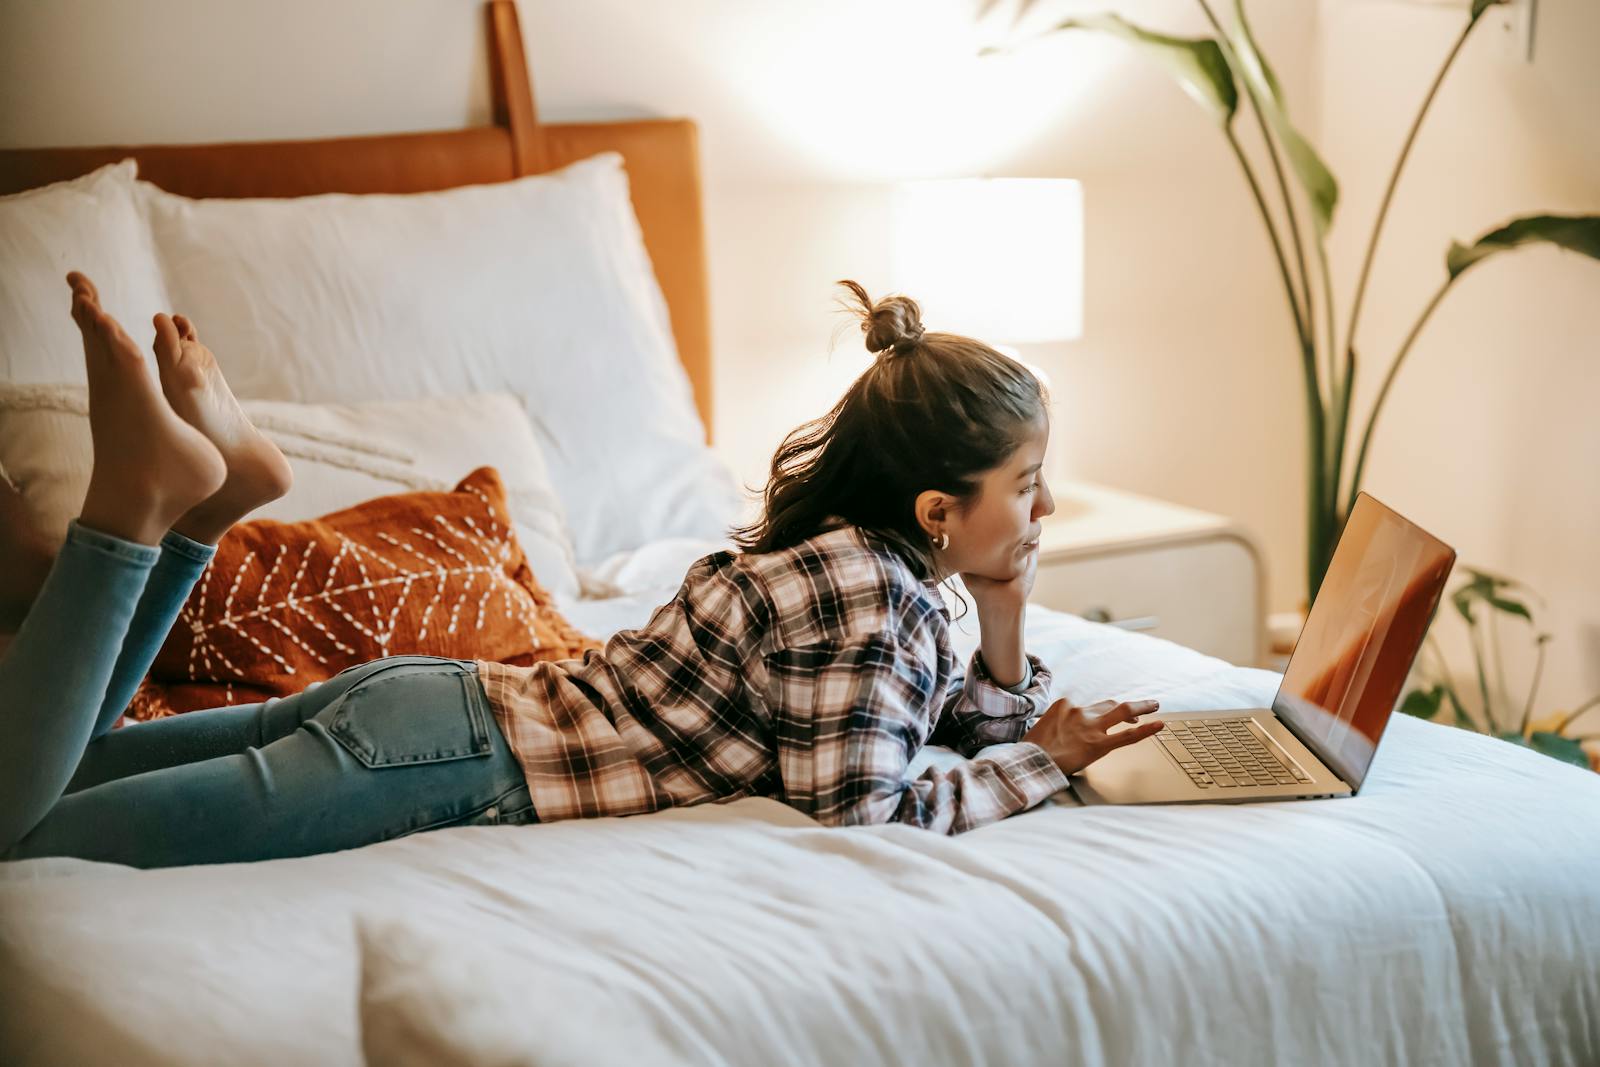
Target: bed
<point>1448,914</point>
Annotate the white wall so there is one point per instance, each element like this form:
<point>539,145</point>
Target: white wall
<point>1491,434</point>
<point>1185,383</point>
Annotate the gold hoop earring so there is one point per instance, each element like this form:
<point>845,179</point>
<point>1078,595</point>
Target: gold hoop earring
<point>943,542</point>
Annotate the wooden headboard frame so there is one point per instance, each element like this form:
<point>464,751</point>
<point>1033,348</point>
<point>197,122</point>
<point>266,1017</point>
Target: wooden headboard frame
<point>661,156</point>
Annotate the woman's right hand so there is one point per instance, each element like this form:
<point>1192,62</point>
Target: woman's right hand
<point>1075,737</point>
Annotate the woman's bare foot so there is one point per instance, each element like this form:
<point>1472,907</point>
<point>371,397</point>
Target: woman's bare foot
<point>150,466</point>
<point>197,391</point>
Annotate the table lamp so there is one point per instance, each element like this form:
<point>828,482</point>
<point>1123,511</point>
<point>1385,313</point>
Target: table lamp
<point>997,259</point>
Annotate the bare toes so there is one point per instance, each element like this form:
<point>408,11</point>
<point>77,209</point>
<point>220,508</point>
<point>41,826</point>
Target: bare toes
<point>80,283</point>
<point>84,303</point>
<point>167,344</point>
<point>94,322</point>
<point>89,315</point>
<point>186,328</point>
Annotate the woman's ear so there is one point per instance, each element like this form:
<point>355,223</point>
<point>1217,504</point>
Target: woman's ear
<point>932,508</point>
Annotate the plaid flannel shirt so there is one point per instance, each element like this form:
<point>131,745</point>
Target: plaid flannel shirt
<point>811,674</point>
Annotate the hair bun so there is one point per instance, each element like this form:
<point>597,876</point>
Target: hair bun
<point>909,341</point>
<point>893,325</point>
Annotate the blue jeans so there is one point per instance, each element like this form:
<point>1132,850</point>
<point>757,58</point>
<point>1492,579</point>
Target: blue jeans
<point>385,749</point>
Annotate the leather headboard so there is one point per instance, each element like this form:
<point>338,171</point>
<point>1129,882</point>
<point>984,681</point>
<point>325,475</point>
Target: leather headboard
<point>661,157</point>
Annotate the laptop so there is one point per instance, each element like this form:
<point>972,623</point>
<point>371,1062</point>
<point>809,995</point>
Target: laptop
<point>1339,688</point>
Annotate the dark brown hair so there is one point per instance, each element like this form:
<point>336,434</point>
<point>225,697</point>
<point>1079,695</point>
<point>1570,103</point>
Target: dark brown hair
<point>934,411</point>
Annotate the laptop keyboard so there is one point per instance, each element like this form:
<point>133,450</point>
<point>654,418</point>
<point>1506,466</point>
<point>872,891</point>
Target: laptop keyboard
<point>1225,753</point>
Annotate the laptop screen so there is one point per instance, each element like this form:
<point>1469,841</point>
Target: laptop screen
<point>1361,636</point>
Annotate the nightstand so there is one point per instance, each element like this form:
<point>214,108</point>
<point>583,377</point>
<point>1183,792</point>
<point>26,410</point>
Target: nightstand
<point>1184,575</point>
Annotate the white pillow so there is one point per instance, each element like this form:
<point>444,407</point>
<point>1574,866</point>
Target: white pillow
<point>540,286</point>
<point>341,454</point>
<point>658,565</point>
<point>95,224</point>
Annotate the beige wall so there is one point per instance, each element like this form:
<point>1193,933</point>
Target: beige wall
<point>1491,434</point>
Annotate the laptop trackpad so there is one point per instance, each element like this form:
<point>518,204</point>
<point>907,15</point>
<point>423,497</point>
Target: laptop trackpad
<point>1136,774</point>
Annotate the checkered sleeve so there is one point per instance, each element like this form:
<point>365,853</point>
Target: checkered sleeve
<point>849,716</point>
<point>979,712</point>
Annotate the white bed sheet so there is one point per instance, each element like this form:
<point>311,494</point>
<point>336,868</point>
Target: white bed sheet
<point>1448,914</point>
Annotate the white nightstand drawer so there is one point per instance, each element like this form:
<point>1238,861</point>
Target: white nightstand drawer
<point>1203,593</point>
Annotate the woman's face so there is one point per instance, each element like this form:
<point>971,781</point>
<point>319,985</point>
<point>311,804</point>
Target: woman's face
<point>993,535</point>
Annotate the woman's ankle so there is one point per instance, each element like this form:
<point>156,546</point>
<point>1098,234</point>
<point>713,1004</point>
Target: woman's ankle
<point>140,526</point>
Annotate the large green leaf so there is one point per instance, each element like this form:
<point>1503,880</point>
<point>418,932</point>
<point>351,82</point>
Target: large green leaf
<point>1197,62</point>
<point>1511,607</point>
<point>1487,588</point>
<point>1315,177</point>
<point>1423,703</point>
<point>1565,749</point>
<point>1462,599</point>
<point>1575,233</point>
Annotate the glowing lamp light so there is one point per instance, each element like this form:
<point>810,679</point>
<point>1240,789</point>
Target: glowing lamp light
<point>998,259</point>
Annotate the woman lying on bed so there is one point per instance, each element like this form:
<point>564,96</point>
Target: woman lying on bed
<point>810,667</point>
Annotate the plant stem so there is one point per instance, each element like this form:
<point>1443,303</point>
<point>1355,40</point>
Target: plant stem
<point>1340,430</point>
<point>1388,194</point>
<point>1315,416</point>
<point>1383,391</point>
<point>1430,645</point>
<point>1438,657</point>
<point>1283,190</point>
<point>1294,226</point>
<point>1483,681</point>
<point>1593,701</point>
<point>1341,393</point>
<point>1317,492</point>
<point>1527,709</point>
<point>1272,234</point>
<point>1316,489</point>
<point>1501,692</point>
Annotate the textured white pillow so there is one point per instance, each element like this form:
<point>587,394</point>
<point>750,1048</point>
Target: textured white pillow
<point>539,286</point>
<point>94,224</point>
<point>341,454</point>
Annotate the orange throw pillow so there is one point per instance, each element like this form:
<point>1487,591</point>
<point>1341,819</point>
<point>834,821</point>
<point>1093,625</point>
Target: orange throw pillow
<point>285,604</point>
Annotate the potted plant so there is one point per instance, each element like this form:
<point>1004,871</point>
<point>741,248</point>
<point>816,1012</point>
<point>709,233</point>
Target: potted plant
<point>1497,713</point>
<point>1221,73</point>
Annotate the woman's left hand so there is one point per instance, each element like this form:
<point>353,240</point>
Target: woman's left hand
<point>1001,607</point>
<point>996,599</point>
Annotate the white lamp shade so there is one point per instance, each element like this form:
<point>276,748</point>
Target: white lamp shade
<point>998,259</point>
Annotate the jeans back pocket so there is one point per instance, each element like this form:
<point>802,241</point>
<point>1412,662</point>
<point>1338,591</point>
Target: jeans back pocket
<point>412,712</point>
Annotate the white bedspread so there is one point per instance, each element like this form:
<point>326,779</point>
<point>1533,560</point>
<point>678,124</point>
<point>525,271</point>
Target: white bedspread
<point>1449,914</point>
